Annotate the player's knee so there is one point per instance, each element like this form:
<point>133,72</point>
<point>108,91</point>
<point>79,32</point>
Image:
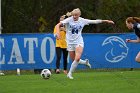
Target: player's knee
<point>77,59</point>
<point>137,59</point>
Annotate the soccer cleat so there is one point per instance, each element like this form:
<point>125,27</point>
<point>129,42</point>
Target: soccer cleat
<point>87,63</point>
<point>69,76</point>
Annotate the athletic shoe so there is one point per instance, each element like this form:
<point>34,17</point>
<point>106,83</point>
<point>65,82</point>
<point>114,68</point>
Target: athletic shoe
<point>69,76</point>
<point>87,63</point>
<point>57,71</point>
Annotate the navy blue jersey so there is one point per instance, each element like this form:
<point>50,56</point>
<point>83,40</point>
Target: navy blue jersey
<point>136,29</point>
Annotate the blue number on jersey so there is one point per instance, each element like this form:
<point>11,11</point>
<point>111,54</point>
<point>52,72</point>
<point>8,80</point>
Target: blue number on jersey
<point>74,31</point>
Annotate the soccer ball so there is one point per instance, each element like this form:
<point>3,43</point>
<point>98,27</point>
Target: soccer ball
<point>2,74</point>
<point>45,74</point>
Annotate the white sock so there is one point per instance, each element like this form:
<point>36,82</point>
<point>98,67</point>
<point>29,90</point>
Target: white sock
<point>73,67</point>
<point>82,61</point>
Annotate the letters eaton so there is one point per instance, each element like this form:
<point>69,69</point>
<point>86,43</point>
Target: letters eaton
<point>26,50</point>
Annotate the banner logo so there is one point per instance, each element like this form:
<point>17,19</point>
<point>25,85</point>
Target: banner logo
<point>116,48</point>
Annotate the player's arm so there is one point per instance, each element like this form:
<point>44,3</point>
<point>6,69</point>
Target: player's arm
<point>62,28</point>
<point>54,32</point>
<point>133,41</point>
<point>99,21</point>
<point>108,21</point>
<point>58,30</point>
<point>64,22</point>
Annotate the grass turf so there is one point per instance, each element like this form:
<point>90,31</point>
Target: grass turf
<point>84,82</point>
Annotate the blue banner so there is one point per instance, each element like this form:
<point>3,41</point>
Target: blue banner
<point>111,50</point>
<point>37,51</point>
<point>27,51</point>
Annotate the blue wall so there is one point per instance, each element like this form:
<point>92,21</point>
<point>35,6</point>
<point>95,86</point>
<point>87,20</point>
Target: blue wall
<point>37,51</point>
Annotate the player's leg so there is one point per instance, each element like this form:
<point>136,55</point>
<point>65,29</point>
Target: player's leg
<point>78,53</point>
<point>72,55</point>
<point>65,55</point>
<point>138,57</point>
<point>71,49</point>
<point>58,57</point>
<point>73,65</point>
<point>86,61</point>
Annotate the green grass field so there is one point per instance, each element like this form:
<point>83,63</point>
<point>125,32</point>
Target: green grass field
<point>84,82</point>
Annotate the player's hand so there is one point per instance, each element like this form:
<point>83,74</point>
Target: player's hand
<point>62,29</point>
<point>128,40</point>
<point>58,36</point>
<point>110,22</point>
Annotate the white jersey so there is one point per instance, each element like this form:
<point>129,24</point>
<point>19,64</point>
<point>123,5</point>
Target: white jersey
<point>74,29</point>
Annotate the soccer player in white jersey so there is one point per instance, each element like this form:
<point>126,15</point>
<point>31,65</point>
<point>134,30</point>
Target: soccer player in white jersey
<point>74,39</point>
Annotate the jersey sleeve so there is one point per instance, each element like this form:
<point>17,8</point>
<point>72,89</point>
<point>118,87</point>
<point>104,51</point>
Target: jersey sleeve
<point>138,26</point>
<point>87,21</point>
<point>65,21</point>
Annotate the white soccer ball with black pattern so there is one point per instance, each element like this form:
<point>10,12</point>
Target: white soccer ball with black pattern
<point>45,74</point>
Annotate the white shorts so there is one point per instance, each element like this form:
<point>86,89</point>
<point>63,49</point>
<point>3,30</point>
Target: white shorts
<point>72,47</point>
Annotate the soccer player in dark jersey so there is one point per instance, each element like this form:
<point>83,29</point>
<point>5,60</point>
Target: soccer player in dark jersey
<point>133,23</point>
